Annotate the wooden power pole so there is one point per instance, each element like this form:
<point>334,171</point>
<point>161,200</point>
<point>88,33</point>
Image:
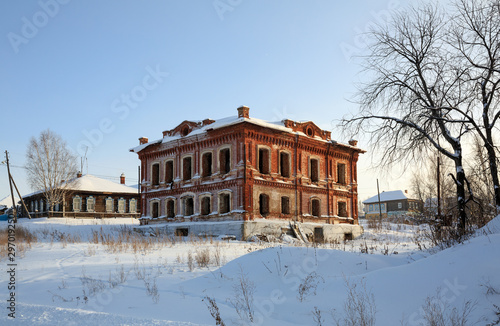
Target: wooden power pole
<point>11,190</point>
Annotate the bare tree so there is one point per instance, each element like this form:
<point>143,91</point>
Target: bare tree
<point>434,84</point>
<point>475,38</point>
<point>407,107</point>
<point>48,163</point>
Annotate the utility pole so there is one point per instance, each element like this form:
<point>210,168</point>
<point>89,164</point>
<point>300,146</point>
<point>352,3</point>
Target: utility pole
<point>11,191</point>
<point>438,188</point>
<point>379,204</point>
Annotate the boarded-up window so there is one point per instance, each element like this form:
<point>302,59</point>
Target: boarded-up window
<point>170,208</point>
<point>285,164</point>
<point>224,203</point>
<point>205,205</point>
<point>155,174</point>
<point>225,160</point>
<point>206,165</point>
<point>264,161</point>
<point>342,209</point>
<point>341,173</point>
<point>169,172</point>
<point>264,205</point>
<point>155,209</point>
<point>314,169</point>
<point>318,235</point>
<point>186,168</point>
<point>285,205</point>
<point>315,207</point>
<point>188,206</point>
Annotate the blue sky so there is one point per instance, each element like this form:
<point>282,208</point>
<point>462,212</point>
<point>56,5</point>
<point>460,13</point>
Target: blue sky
<point>103,73</point>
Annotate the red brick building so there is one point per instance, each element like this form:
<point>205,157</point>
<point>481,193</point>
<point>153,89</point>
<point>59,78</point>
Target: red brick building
<point>244,169</point>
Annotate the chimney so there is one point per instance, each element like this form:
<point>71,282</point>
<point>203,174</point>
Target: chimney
<point>143,140</point>
<point>243,112</point>
<point>79,174</point>
<point>122,179</point>
<point>353,142</point>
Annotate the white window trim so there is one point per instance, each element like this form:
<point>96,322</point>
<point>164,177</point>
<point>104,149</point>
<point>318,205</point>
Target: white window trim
<point>132,200</point>
<point>106,204</point>
<point>166,200</point>
<point>124,202</point>
<point>87,201</point>
<point>77,197</point>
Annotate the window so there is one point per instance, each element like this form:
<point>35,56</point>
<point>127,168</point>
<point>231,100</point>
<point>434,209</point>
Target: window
<point>342,209</point>
<point>31,207</point>
<point>225,160</point>
<point>314,172</point>
<point>315,207</point>
<point>57,207</point>
<point>170,208</point>
<point>341,173</point>
<point>285,205</point>
<point>155,174</point>
<point>41,205</point>
<point>188,204</point>
<point>224,203</point>
<point>186,168</point>
<point>155,209</point>
<point>400,205</point>
<point>370,208</point>
<point>109,205</point>
<point>121,205</point>
<point>285,164</point>
<point>205,205</point>
<point>169,171</point>
<point>90,204</point>
<point>36,206</point>
<point>264,205</point>
<point>132,206</point>
<point>77,204</point>
<point>206,165</point>
<point>264,161</point>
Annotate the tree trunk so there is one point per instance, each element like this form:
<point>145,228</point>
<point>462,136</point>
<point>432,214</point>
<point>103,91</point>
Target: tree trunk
<point>492,158</point>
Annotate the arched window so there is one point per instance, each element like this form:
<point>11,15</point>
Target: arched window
<point>169,171</point>
<point>224,203</point>
<point>155,174</point>
<point>155,209</point>
<point>205,205</point>
<point>264,161</point>
<point>206,164</point>
<point>187,168</point>
<point>285,164</point>
<point>225,160</point>
<point>170,208</point>
<point>314,169</point>
<point>264,205</point>
<point>315,207</point>
<point>188,205</point>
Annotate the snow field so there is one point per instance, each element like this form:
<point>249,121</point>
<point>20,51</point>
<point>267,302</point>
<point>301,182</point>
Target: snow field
<point>82,272</point>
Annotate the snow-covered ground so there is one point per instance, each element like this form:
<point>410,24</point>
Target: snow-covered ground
<point>93,272</point>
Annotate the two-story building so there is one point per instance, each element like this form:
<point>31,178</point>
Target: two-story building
<point>246,169</point>
<point>392,204</point>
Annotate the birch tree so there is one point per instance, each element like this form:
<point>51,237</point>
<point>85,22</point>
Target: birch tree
<point>48,163</point>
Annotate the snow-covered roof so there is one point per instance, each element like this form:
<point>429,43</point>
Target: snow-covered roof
<point>92,183</point>
<point>7,201</point>
<point>226,122</point>
<point>387,196</point>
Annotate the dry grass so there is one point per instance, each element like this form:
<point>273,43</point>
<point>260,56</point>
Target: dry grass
<point>21,240</point>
